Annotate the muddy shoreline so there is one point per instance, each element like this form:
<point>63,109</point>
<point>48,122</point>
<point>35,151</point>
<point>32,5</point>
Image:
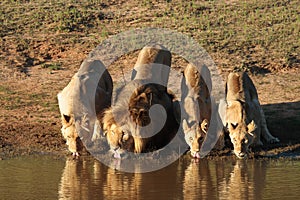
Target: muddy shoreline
<point>39,144</point>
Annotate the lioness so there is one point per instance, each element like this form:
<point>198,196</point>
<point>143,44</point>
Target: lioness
<point>196,107</point>
<point>245,118</point>
<point>66,102</point>
<point>129,116</point>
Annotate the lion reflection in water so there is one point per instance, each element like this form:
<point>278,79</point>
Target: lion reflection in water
<point>198,181</point>
<point>90,179</point>
<point>245,181</point>
<point>79,177</point>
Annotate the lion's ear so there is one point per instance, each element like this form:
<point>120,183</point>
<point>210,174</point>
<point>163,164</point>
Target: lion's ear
<point>66,118</point>
<point>105,133</point>
<point>251,127</point>
<point>185,125</point>
<point>143,96</point>
<point>204,125</point>
<point>125,137</point>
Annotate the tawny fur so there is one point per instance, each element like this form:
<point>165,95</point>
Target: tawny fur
<point>131,114</point>
<point>197,108</point>
<point>244,116</point>
<point>66,103</point>
<point>116,137</point>
<point>131,107</point>
<point>153,64</point>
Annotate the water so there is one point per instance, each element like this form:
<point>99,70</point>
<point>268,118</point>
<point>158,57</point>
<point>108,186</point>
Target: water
<point>45,177</point>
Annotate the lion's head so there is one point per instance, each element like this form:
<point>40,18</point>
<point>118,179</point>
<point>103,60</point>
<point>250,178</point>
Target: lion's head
<point>118,140</point>
<point>138,119</point>
<point>70,134</point>
<point>194,135</point>
<point>147,125</point>
<point>242,134</point>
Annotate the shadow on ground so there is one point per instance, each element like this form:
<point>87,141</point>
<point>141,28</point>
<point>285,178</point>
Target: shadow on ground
<point>283,121</point>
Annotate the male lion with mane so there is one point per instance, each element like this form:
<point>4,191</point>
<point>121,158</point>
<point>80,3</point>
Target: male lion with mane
<point>244,118</point>
<point>129,123</point>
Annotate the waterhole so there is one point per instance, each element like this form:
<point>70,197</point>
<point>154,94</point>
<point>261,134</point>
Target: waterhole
<point>48,177</point>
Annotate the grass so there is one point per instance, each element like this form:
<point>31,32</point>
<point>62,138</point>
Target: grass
<point>52,66</point>
<point>265,33</point>
<point>13,100</point>
<point>10,99</point>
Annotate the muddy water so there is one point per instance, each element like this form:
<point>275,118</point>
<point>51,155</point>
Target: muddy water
<point>45,177</point>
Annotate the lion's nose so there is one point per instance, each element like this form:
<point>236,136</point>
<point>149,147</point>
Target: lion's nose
<point>195,154</point>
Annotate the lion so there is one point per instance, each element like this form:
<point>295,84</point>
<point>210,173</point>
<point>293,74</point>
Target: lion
<point>140,127</point>
<point>200,176</point>
<point>244,116</point>
<point>149,121</point>
<point>66,103</point>
<point>77,177</point>
<point>118,140</point>
<point>130,122</point>
<point>153,63</point>
<point>197,106</point>
<point>241,177</point>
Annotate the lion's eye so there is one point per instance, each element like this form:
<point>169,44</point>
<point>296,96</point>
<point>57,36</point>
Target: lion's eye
<point>191,138</point>
<point>125,136</point>
<point>112,132</point>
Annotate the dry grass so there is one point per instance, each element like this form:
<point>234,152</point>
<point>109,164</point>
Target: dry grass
<point>251,35</point>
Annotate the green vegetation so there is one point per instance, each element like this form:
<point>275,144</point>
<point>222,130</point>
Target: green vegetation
<point>52,66</point>
<point>240,34</point>
<point>13,100</point>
